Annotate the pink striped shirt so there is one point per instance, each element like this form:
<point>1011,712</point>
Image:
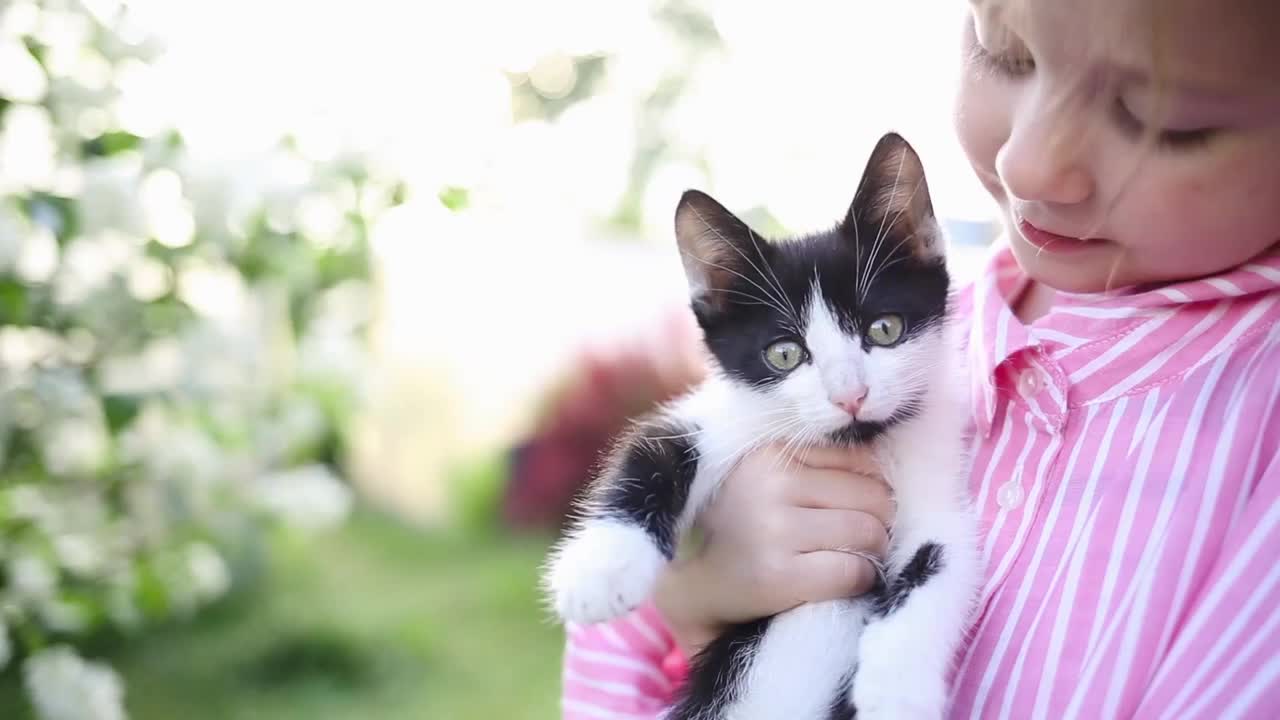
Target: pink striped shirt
<point>1127,472</point>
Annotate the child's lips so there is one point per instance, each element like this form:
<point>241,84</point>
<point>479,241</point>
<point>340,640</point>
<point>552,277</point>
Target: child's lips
<point>1051,242</point>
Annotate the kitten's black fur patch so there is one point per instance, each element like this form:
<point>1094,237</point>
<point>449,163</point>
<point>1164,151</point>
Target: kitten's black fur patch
<point>842,706</point>
<point>714,671</point>
<point>648,482</point>
<point>926,563</point>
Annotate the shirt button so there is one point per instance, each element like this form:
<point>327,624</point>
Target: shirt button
<point>1009,495</point>
<point>1029,383</point>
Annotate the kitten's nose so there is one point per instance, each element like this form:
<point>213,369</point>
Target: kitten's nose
<point>850,401</point>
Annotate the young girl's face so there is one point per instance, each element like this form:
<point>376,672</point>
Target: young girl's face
<point>1127,144</point>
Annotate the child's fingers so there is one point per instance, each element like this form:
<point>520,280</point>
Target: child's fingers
<point>839,490</point>
<point>831,574</point>
<point>838,458</point>
<point>816,530</point>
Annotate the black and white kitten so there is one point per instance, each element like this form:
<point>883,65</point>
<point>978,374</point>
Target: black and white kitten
<point>838,337</point>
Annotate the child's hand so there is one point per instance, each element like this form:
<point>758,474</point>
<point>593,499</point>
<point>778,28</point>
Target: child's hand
<point>779,534</point>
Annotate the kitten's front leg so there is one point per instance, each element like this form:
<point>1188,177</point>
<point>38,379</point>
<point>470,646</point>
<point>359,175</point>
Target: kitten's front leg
<point>920,618</point>
<point>628,529</point>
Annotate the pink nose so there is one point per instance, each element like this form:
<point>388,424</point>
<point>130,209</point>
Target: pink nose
<point>851,402</point>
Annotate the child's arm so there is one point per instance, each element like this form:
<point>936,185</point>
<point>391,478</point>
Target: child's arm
<point>620,668</point>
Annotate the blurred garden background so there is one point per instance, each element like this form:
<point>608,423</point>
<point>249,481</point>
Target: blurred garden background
<point>314,315</point>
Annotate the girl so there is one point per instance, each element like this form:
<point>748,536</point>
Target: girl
<point>1125,351</point>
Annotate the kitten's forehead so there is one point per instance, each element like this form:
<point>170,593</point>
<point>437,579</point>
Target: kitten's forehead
<point>851,277</point>
<point>827,334</point>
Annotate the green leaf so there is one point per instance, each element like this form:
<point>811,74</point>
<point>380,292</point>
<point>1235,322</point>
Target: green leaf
<point>36,48</point>
<point>111,143</point>
<point>455,198</point>
<point>14,306</point>
<point>120,410</point>
<point>399,194</point>
<point>165,316</point>
<point>150,593</point>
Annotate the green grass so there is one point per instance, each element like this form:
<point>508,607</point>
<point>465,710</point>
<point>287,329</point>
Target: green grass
<point>371,621</point>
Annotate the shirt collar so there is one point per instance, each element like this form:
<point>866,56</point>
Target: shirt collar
<point>1078,320</point>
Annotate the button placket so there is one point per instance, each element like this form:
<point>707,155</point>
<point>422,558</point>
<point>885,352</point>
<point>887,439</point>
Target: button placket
<point>1010,495</point>
<point>1029,383</point>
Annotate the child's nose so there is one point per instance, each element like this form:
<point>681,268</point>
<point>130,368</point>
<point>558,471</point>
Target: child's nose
<point>1044,160</point>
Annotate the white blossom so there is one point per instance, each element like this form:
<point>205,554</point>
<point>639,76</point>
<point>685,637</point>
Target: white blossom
<point>29,502</point>
<point>64,686</point>
<point>73,446</point>
<point>209,571</point>
<point>310,496</point>
<point>63,617</point>
<point>167,212</point>
<point>27,148</point>
<point>22,79</point>
<point>38,257</point>
<point>78,553</point>
<point>110,199</point>
<point>31,576</point>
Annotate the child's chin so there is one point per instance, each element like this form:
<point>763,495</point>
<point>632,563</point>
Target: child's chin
<point>1091,272</point>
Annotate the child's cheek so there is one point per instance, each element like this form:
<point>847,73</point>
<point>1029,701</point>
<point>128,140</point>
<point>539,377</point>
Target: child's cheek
<point>982,126</point>
<point>1191,222</point>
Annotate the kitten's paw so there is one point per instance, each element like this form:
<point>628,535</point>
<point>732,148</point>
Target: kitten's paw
<point>897,693</point>
<point>605,570</point>
<point>890,684</point>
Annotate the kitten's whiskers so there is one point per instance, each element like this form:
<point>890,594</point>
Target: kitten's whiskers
<point>884,233</point>
<point>781,297</point>
<point>773,301</point>
<point>875,246</point>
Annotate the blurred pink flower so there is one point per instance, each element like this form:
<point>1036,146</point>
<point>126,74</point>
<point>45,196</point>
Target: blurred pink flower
<point>605,387</point>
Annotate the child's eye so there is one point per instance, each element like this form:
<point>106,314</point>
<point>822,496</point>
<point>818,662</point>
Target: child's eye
<point>1181,139</point>
<point>1007,64</point>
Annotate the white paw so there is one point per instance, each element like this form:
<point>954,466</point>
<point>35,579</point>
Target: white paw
<point>901,698</point>
<point>605,570</point>
<point>889,685</point>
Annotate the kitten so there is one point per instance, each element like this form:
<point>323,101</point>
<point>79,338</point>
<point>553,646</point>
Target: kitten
<point>840,337</point>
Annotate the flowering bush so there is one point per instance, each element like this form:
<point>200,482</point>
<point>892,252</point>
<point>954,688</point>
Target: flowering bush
<point>601,391</point>
<point>178,343</point>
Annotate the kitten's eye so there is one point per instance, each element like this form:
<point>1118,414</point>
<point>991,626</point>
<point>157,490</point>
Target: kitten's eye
<point>784,355</point>
<point>885,330</point>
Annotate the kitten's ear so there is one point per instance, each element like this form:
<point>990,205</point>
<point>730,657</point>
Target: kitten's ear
<point>713,243</point>
<point>893,200</point>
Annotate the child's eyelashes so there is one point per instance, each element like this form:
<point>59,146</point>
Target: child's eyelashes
<point>1180,139</point>
<point>1013,65</point>
<point>1005,64</point>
